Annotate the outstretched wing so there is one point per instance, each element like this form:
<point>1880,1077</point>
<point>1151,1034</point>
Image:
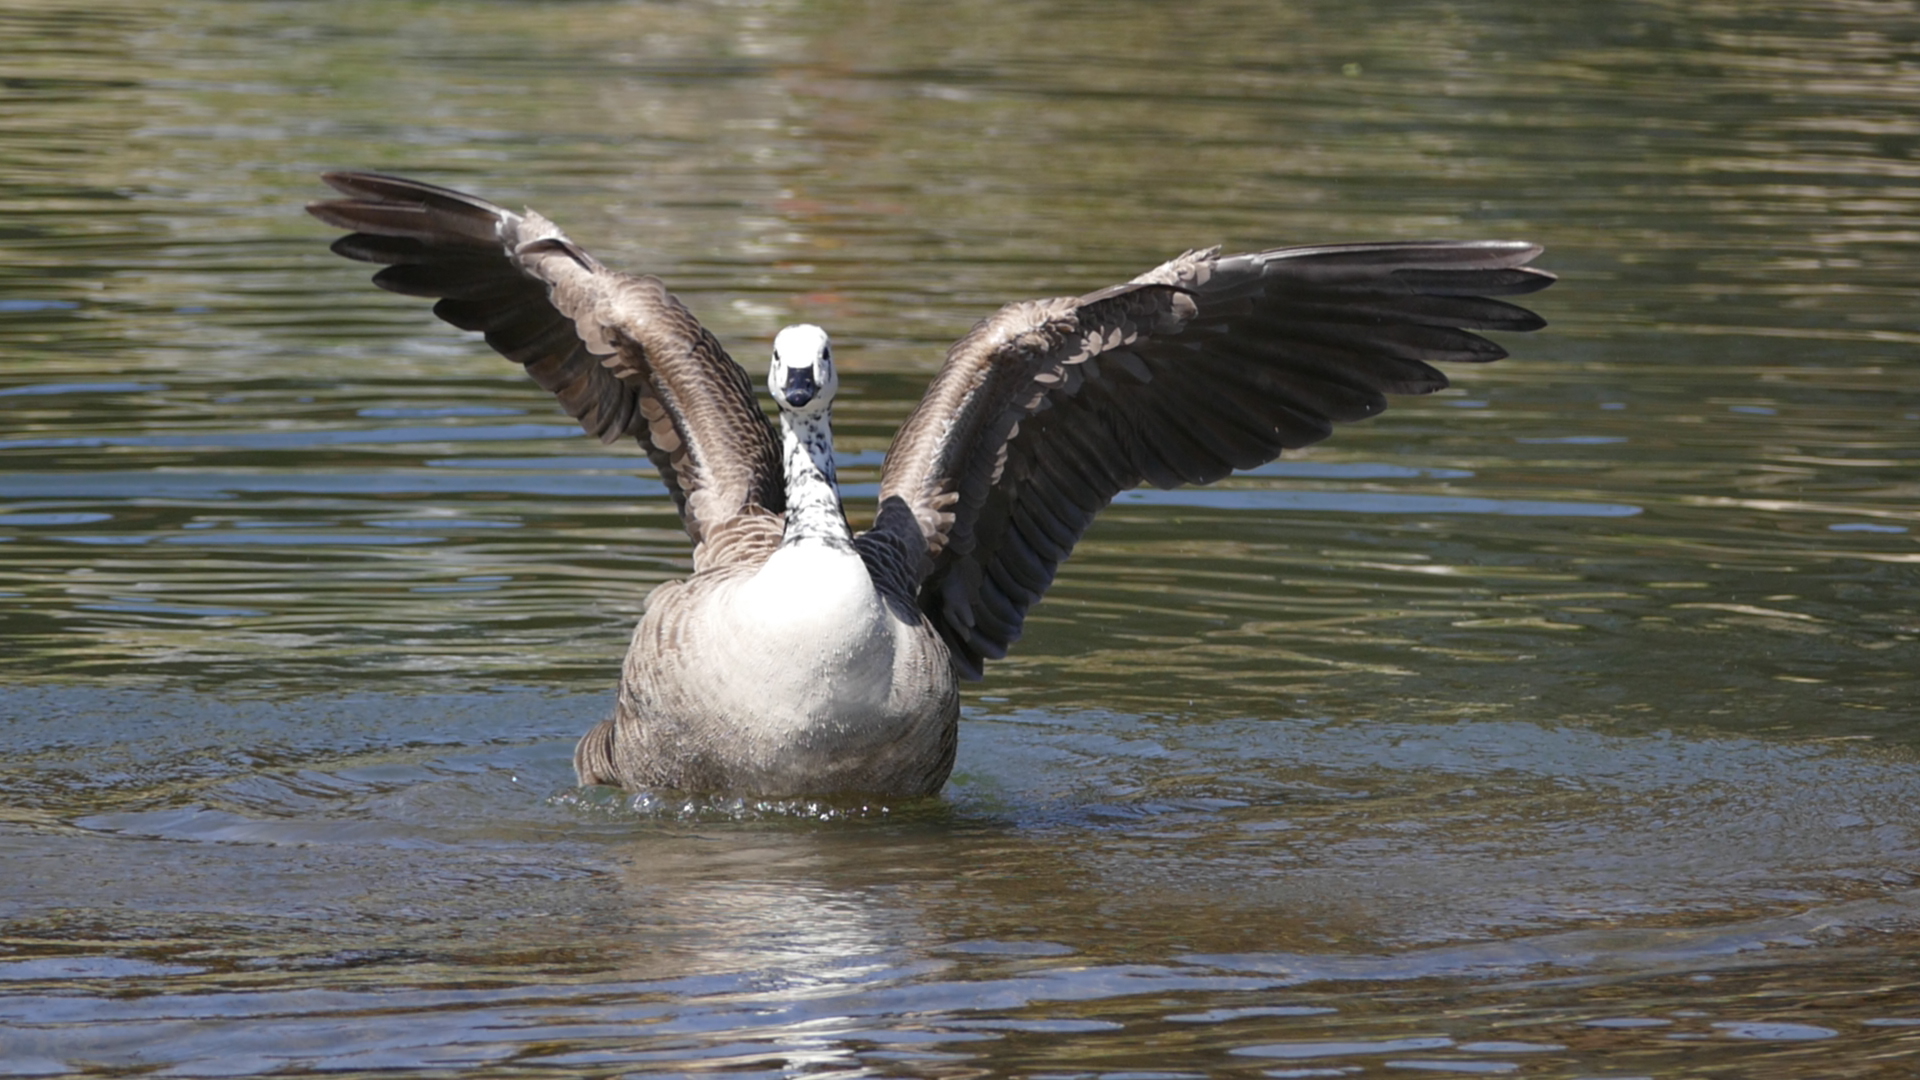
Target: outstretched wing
<point>1207,364</point>
<point>622,354</point>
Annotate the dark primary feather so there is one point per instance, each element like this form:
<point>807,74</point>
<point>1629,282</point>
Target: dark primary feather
<point>1049,409</point>
<point>1040,416</point>
<point>621,353</point>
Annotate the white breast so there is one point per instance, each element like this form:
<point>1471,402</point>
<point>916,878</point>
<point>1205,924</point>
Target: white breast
<point>804,647</point>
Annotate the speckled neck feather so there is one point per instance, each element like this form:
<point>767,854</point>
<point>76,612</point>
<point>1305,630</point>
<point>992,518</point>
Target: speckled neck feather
<point>813,493</point>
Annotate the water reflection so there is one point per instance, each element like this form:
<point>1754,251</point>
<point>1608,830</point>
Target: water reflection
<point>1131,905</point>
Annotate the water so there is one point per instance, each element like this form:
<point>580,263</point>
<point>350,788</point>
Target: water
<point>1559,725</point>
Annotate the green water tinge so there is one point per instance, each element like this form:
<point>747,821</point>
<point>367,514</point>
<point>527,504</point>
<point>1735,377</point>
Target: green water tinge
<point>1561,724</point>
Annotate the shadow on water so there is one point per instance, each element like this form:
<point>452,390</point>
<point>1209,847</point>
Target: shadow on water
<point>1558,725</point>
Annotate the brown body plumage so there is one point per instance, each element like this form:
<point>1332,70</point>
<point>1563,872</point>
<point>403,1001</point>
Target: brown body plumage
<point>1039,417</point>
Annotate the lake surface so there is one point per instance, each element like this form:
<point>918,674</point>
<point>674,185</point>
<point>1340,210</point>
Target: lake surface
<point>1562,724</point>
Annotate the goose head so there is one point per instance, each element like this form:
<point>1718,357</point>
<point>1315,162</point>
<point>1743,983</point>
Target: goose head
<point>802,378</point>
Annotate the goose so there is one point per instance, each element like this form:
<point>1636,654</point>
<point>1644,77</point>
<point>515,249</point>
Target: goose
<point>803,659</point>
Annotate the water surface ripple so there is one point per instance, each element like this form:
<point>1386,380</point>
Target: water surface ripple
<point>1562,724</point>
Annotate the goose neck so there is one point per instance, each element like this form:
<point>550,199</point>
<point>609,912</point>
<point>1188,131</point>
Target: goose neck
<point>813,491</point>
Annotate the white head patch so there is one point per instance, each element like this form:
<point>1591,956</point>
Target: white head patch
<point>801,377</point>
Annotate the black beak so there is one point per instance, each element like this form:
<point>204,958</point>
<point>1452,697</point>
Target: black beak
<point>800,387</point>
